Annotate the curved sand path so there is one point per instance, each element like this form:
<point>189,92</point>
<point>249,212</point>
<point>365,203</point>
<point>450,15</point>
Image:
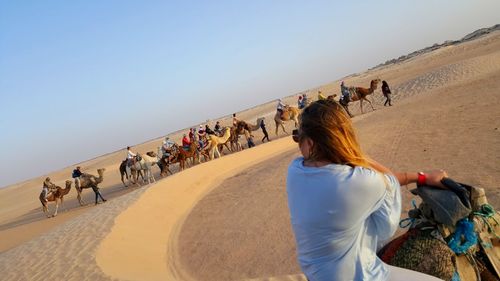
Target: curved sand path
<point>142,245</point>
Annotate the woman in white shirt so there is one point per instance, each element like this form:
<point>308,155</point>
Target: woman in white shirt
<point>343,205</point>
<point>130,156</point>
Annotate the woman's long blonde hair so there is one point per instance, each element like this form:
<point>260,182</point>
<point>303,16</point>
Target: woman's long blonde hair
<point>329,127</point>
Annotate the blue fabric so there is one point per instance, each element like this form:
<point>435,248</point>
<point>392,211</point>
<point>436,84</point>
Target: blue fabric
<point>340,216</point>
<point>76,173</point>
<point>464,231</point>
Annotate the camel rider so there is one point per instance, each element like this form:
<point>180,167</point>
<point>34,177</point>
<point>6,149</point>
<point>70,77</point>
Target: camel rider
<point>345,95</point>
<point>130,156</point>
<point>217,128</point>
<point>321,96</point>
<point>235,120</point>
<point>280,107</point>
<point>192,135</point>
<point>48,188</point>
<point>167,147</point>
<point>201,136</point>
<point>208,130</point>
<point>300,102</point>
<point>186,142</point>
<point>76,175</point>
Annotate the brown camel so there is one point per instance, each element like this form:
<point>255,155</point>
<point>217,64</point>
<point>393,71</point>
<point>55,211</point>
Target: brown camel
<point>241,128</point>
<point>214,142</point>
<point>89,181</point>
<point>289,113</point>
<point>359,93</point>
<point>247,126</point>
<point>55,196</point>
<point>162,163</point>
<point>183,155</point>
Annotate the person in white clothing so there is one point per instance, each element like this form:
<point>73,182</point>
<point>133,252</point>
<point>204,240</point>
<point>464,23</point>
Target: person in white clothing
<point>130,156</point>
<point>343,205</point>
<point>280,107</point>
<point>168,147</point>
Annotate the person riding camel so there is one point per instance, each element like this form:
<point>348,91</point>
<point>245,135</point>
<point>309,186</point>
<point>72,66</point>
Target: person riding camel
<point>201,136</point>
<point>281,107</point>
<point>167,148</point>
<point>76,175</point>
<point>47,189</point>
<point>186,142</point>
<point>192,136</point>
<point>208,130</point>
<point>345,95</point>
<point>131,156</point>
<point>321,96</point>
<point>305,100</point>
<point>300,102</point>
<point>217,128</point>
<point>235,120</point>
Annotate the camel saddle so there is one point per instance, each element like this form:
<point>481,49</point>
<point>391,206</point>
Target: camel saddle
<point>453,235</point>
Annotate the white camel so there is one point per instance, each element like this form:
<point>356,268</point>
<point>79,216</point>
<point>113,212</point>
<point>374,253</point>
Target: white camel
<point>145,165</point>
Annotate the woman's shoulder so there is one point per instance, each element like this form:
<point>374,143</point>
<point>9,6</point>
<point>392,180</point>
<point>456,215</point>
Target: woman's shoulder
<point>375,178</point>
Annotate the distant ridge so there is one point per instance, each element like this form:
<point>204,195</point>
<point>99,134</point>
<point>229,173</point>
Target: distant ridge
<point>471,36</point>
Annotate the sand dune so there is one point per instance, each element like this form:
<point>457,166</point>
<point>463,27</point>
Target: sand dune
<point>228,219</point>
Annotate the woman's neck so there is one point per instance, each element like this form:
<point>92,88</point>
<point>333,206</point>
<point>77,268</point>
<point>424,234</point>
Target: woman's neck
<point>315,163</point>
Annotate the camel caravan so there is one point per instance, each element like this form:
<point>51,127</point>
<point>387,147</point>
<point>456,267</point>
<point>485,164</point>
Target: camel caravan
<point>203,143</point>
<point>53,193</point>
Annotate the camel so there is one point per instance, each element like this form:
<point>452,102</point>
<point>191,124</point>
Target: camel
<point>241,128</point>
<point>183,155</point>
<point>290,114</point>
<point>162,164</point>
<point>88,181</point>
<point>214,141</point>
<point>249,127</point>
<point>359,93</point>
<point>124,173</point>
<point>55,196</point>
<point>233,140</point>
<point>144,165</point>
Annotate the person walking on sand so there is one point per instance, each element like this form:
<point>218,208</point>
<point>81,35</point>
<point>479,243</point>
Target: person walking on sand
<point>98,194</point>
<point>250,141</point>
<point>387,93</point>
<point>76,176</point>
<point>337,235</point>
<point>264,131</point>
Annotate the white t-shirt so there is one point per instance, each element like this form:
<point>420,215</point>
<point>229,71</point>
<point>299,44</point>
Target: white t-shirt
<point>340,216</point>
<point>130,154</point>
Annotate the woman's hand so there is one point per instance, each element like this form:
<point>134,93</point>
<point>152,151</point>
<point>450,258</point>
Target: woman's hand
<point>433,178</point>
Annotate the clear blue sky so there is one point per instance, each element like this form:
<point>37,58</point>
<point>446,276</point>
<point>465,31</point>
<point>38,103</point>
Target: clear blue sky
<point>82,78</point>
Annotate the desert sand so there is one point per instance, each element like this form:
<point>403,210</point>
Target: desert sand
<point>227,219</point>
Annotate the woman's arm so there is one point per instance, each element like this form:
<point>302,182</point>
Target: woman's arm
<point>432,178</point>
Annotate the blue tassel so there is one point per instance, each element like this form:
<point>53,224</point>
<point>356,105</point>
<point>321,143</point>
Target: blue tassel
<point>464,231</point>
<point>455,277</point>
